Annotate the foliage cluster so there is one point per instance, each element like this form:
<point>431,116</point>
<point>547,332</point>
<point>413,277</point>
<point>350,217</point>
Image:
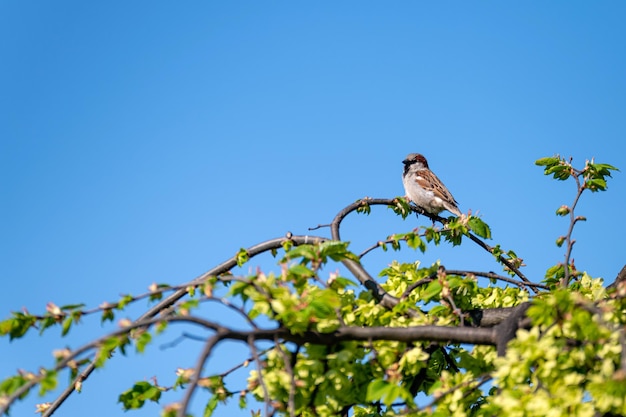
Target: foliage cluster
<point>323,344</point>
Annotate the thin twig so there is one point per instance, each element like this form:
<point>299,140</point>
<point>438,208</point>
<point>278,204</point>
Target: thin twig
<point>319,226</point>
<point>502,259</point>
<point>180,338</point>
<point>242,364</point>
<point>493,275</point>
<point>455,310</point>
<point>419,283</point>
<point>238,309</point>
<point>292,380</point>
<point>259,369</point>
<point>479,382</point>
<point>197,371</point>
<point>570,230</point>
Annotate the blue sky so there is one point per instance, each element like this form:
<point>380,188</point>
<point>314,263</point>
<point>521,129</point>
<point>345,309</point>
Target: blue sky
<point>149,141</point>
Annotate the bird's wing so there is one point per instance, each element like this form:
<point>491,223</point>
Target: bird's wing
<point>429,181</point>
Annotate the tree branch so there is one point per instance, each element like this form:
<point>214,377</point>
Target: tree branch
<point>335,225</point>
<point>445,334</point>
<point>180,293</point>
<point>434,333</point>
<point>503,260</point>
<point>621,276</point>
<point>493,275</point>
<point>195,377</point>
<point>479,336</point>
<point>506,330</point>
<point>385,299</point>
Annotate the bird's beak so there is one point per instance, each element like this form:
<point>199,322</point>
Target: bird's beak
<point>406,162</point>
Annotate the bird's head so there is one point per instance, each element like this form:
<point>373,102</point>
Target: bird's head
<point>415,158</point>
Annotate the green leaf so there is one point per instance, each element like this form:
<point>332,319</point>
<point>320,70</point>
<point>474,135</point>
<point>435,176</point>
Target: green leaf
<point>432,290</point>
<point>303,251</point>
<point>142,341</point>
<point>341,282</point>
<point>437,310</point>
<point>18,325</point>
<point>323,303</point>
<point>107,348</point>
<point>47,322</point>
<point>67,323</point>
<point>496,251</point>
<point>598,171</point>
<point>72,307</point>
<point>242,402</point>
<point>12,384</point>
<point>432,235</point>
<point>479,227</point>
<point>185,306</point>
<point>549,161</point>
<point>48,382</point>
<point>160,327</point>
<point>596,184</point>
<point>377,390</point>
<point>364,207</point>
<point>242,257</point>
<point>395,242</point>
<point>287,245</point>
<point>337,251</point>
<point>124,301</point>
<point>402,207</point>
<point>239,289</point>
<point>455,231</point>
<point>107,315</point>
<point>301,271</point>
<point>415,242</point>
<point>562,211</point>
<point>158,294</point>
<point>5,326</point>
<point>141,392</point>
<point>210,406</point>
<point>554,274</point>
<point>386,392</point>
<point>604,168</point>
<point>191,291</point>
<point>555,166</point>
<point>559,172</point>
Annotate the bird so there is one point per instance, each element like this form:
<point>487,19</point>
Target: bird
<point>423,187</point>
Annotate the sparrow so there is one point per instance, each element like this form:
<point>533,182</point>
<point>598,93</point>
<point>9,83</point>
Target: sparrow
<point>424,188</point>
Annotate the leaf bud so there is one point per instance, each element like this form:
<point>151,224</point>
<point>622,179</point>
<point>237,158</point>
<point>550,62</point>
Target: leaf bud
<point>562,211</point>
<point>124,323</point>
